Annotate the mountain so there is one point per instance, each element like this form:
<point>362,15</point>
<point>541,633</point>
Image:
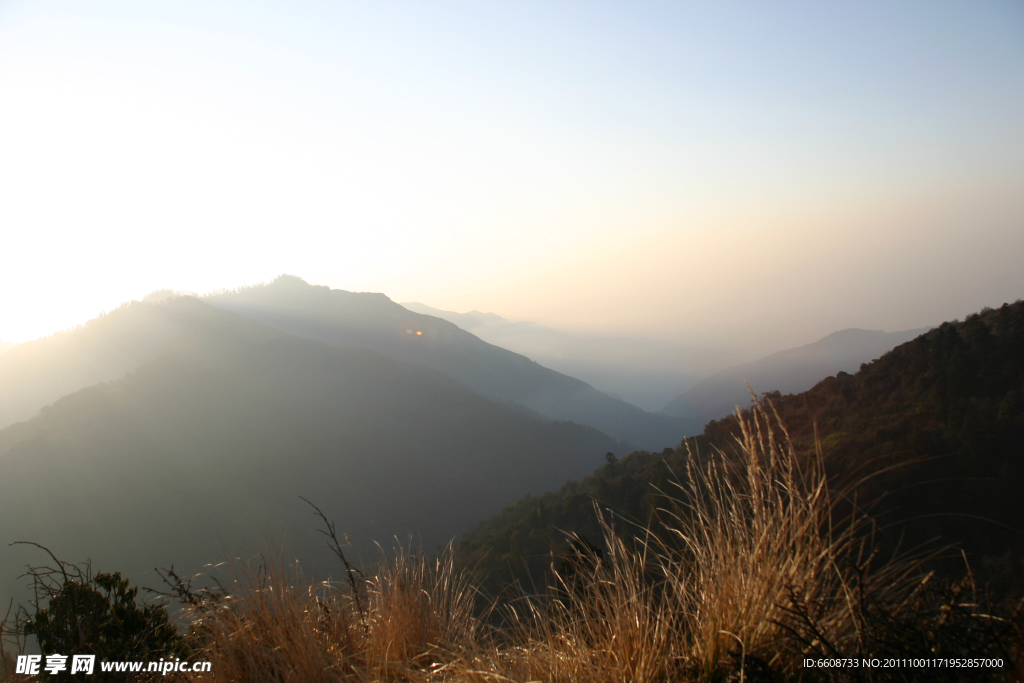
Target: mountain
<point>789,371</point>
<point>36,373</point>
<point>374,321</point>
<point>937,423</point>
<point>645,372</point>
<point>207,444</point>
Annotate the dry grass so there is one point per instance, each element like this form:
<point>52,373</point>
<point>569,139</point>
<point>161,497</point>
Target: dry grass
<point>750,569</point>
<point>748,553</point>
<point>420,614</point>
<point>274,630</point>
<point>413,616</point>
<point>753,535</point>
<point>607,619</point>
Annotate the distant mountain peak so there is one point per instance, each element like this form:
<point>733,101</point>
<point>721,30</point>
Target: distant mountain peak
<point>488,317</point>
<point>467,321</point>
<point>286,283</point>
<point>162,295</point>
<point>286,280</point>
<point>851,331</point>
<point>789,371</point>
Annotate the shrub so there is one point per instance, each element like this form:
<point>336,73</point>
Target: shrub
<point>77,612</point>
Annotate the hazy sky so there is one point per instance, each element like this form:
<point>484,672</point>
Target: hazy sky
<point>739,174</point>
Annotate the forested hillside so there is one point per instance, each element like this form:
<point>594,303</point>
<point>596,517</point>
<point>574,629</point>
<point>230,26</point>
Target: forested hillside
<point>936,425</point>
<point>210,444</point>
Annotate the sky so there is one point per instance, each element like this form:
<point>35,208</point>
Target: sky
<point>741,175</point>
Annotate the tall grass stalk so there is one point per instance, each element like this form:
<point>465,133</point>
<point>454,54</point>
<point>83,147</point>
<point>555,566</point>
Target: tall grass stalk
<point>713,587</point>
<point>420,613</point>
<point>753,533</point>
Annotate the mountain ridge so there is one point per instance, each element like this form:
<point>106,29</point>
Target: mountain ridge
<point>788,371</point>
<point>373,320</point>
<point>36,373</point>
<point>643,371</point>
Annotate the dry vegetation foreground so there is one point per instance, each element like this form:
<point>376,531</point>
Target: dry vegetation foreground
<point>751,571</point>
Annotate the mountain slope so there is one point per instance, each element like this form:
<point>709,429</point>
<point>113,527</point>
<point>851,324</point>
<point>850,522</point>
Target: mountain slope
<point>938,422</point>
<point>789,371</point>
<point>374,321</point>
<point>216,439</point>
<point>646,372</point>
<point>37,373</point>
